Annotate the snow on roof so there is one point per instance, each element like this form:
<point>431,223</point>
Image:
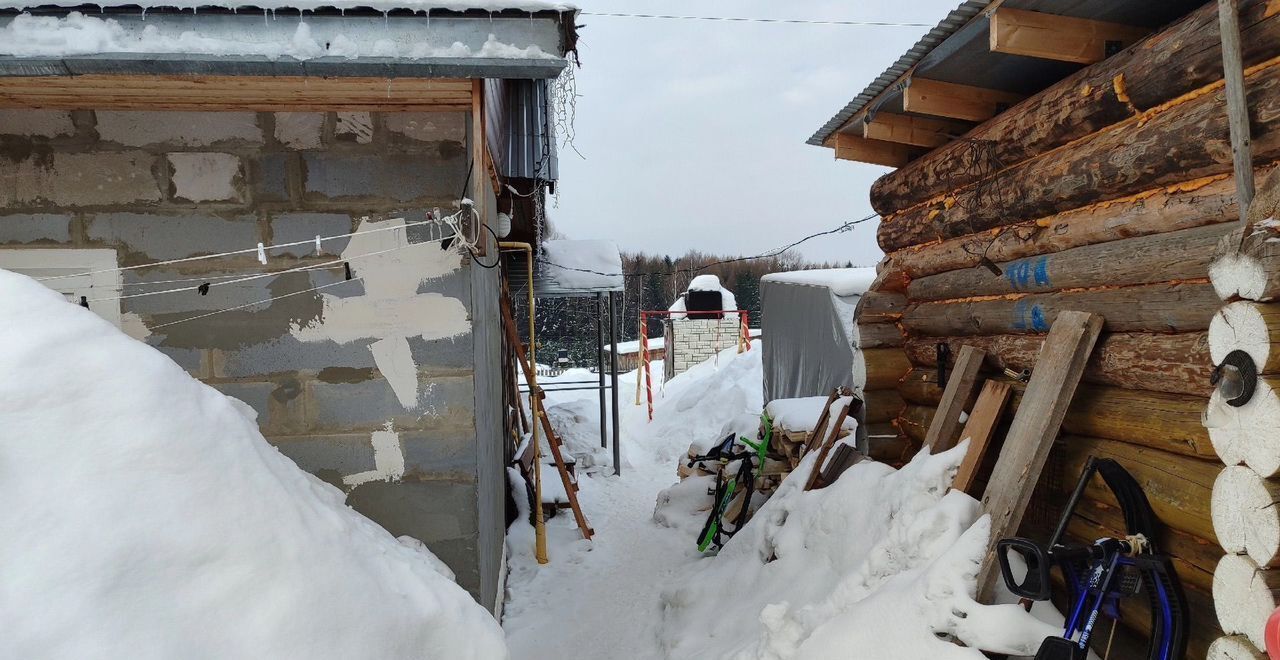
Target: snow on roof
<point>583,266</point>
<point>841,281</point>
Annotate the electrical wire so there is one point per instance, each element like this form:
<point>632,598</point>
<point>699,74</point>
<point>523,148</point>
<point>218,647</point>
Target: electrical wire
<point>252,250</point>
<point>771,253</point>
<point>255,303</point>
<point>745,19</point>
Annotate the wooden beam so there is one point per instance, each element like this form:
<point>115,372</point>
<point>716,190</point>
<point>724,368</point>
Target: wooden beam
<point>1035,426</point>
<point>1237,106</point>
<point>223,93</point>
<point>1061,38</point>
<point>876,152</point>
<point>943,99</point>
<point>961,387</point>
<point>917,131</point>
<point>979,430</point>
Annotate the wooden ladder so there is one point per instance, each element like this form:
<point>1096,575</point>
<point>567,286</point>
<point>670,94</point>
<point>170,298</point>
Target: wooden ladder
<point>536,396</point>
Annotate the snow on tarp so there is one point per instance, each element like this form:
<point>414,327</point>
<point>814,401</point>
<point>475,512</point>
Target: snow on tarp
<point>580,266</point>
<point>78,34</point>
<point>841,281</point>
<point>881,564</point>
<point>311,5</point>
<point>146,517</point>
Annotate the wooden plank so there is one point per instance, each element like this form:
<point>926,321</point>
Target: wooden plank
<point>1061,38</point>
<point>876,152</point>
<point>961,385</point>
<point>1237,105</point>
<point>828,440</point>
<point>979,430</point>
<point>843,458</point>
<point>916,131</point>
<point>214,93</point>
<point>943,99</point>
<point>1026,448</point>
<point>820,425</point>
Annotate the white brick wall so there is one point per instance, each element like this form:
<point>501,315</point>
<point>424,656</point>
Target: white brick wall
<point>697,340</point>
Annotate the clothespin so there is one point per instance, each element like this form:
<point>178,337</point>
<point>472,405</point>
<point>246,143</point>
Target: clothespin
<point>84,302</point>
<point>319,248</point>
<point>346,265</point>
<point>203,289</point>
<point>262,254</point>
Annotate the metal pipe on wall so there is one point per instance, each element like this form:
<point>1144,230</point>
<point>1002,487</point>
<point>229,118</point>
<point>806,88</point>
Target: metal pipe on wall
<point>600,309</point>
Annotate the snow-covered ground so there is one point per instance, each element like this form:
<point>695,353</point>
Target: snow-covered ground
<point>146,517</point>
<point>880,565</point>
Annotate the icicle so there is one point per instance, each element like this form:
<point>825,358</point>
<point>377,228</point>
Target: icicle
<point>266,19</point>
<point>262,254</point>
<point>319,248</point>
<point>386,20</point>
<point>144,13</point>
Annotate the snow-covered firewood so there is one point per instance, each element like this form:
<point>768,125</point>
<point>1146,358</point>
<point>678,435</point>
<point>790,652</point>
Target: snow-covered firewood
<point>1246,519</point>
<point>1244,596</point>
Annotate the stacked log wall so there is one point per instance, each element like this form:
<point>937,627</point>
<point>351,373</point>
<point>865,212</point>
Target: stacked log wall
<point>1113,188</point>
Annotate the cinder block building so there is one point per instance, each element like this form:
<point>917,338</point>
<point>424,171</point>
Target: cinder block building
<point>281,200</point>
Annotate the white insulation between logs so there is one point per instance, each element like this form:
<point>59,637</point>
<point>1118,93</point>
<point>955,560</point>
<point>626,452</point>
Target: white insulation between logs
<point>1243,597</point>
<point>1246,518</point>
<point>1234,648</point>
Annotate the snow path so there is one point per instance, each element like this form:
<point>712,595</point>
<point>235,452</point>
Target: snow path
<point>602,601</point>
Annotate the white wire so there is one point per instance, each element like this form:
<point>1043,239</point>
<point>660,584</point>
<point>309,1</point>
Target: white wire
<point>256,302</point>
<point>254,249</point>
<point>262,275</point>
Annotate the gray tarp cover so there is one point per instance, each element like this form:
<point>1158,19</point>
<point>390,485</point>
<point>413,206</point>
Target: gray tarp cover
<point>807,346</point>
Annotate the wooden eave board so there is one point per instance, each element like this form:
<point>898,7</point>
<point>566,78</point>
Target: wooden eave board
<point>224,93</point>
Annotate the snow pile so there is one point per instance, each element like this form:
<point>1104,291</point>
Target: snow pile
<point>802,414</point>
<point>583,265</point>
<point>841,281</point>
<point>77,34</point>
<point>701,406</point>
<point>706,283</point>
<point>146,517</point>
<point>881,564</point>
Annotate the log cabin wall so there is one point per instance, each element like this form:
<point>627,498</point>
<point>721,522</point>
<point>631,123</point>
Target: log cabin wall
<point>1106,192</point>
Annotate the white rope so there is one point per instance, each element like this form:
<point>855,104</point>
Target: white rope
<point>262,275</point>
<point>256,302</point>
<point>448,220</point>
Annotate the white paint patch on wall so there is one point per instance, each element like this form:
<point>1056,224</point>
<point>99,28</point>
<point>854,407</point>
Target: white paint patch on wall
<point>392,310</point>
<point>388,459</point>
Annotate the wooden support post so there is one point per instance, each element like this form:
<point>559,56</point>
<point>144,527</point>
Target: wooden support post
<point>820,426</point>
<point>979,430</point>
<point>1237,104</point>
<point>916,131</point>
<point>960,388</point>
<point>828,440</point>
<point>1026,449</point>
<point>943,99</point>
<point>876,152</point>
<point>1061,38</point>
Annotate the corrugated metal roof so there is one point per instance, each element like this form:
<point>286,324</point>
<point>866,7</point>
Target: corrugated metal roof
<point>948,26</point>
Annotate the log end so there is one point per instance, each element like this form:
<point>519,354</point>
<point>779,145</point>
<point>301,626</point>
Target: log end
<point>1243,597</point>
<point>1247,434</point>
<point>1237,275</point>
<point>1239,326</point>
<point>1245,516</point>
<point>1234,647</point>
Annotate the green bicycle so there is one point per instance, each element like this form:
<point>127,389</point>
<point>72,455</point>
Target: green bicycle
<point>714,531</point>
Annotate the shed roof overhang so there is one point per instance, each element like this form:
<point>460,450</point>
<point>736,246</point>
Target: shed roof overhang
<point>242,59</point>
<point>983,57</point>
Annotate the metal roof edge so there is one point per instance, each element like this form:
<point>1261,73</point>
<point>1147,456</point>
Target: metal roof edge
<point>363,67</point>
<point>958,18</point>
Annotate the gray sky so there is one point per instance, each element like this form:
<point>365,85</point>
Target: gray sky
<point>694,132</point>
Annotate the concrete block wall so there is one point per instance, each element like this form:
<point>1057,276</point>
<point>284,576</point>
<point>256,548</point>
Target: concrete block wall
<point>694,341</point>
<point>372,384</point>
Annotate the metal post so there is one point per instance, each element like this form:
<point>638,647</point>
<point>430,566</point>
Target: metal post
<point>600,360</point>
<point>1237,105</point>
<point>613,360</point>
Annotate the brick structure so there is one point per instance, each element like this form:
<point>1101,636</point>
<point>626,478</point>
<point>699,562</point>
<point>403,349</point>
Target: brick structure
<point>694,341</point>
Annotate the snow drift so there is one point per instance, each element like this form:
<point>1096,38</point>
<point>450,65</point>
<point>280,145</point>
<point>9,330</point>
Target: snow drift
<point>146,517</point>
<point>881,564</point>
